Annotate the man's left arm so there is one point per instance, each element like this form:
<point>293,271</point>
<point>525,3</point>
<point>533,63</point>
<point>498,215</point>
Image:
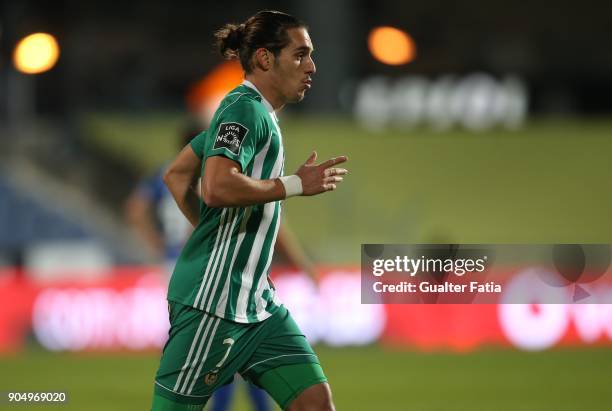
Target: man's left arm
<point>288,244</point>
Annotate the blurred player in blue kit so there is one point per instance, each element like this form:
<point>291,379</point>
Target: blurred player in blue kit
<point>155,217</point>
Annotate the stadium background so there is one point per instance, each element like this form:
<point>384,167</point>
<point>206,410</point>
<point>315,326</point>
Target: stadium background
<point>497,130</point>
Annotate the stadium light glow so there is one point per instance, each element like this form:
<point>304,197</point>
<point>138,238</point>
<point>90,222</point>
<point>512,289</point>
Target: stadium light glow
<point>205,96</point>
<point>391,46</point>
<point>36,53</point>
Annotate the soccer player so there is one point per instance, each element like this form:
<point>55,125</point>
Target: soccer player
<point>225,315</point>
<point>154,215</point>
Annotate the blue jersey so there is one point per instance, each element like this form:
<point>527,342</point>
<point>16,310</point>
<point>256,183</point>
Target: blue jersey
<point>172,224</point>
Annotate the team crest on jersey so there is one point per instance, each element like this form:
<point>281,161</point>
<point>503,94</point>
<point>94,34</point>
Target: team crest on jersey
<point>211,378</point>
<point>230,136</point>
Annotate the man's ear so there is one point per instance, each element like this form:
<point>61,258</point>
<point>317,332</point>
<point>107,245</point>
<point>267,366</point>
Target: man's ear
<point>263,59</point>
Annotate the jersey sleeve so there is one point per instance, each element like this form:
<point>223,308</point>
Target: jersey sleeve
<point>198,144</point>
<point>238,132</point>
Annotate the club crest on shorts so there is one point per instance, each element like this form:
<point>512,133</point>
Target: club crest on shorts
<point>230,136</point>
<point>211,378</point>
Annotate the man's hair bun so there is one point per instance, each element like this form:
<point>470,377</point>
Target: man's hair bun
<point>229,39</point>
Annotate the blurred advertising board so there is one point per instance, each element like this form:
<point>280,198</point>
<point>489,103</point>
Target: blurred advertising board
<point>126,310</point>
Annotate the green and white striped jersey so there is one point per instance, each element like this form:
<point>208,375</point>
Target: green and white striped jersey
<point>223,268</point>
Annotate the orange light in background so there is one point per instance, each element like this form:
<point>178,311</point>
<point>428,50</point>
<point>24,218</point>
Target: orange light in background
<point>204,97</point>
<point>391,46</point>
<point>36,53</point>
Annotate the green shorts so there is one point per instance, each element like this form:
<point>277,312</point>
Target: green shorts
<point>204,352</point>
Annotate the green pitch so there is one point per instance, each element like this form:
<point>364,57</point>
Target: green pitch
<point>368,378</point>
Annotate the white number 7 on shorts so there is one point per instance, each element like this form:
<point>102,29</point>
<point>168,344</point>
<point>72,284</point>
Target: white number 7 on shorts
<point>230,342</point>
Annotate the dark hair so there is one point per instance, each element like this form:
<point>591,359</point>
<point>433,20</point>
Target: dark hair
<point>266,29</point>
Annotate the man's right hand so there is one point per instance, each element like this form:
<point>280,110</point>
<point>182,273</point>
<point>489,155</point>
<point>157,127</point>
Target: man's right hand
<point>317,179</point>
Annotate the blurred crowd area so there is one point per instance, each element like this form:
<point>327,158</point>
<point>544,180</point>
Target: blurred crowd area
<point>495,116</point>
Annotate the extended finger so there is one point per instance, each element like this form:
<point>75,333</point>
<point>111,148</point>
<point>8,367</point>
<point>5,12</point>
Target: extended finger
<point>333,179</point>
<point>333,161</point>
<point>335,172</point>
<point>329,187</point>
<point>311,159</point>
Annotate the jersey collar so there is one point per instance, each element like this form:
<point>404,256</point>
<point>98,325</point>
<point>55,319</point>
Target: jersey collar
<point>265,102</point>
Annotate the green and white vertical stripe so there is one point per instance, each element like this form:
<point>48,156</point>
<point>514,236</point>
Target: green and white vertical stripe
<point>223,269</point>
<point>198,353</point>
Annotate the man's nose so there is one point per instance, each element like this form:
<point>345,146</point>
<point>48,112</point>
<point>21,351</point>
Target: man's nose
<point>311,68</point>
